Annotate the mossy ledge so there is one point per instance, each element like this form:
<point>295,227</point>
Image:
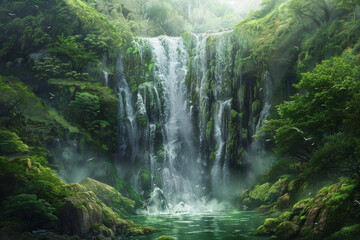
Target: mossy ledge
<point>74,209</point>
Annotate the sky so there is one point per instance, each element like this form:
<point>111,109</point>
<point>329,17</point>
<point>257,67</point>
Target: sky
<point>243,5</point>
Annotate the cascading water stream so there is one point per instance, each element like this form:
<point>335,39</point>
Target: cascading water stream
<point>106,78</point>
<point>183,145</point>
<point>219,172</point>
<point>127,141</point>
<point>256,153</point>
<point>176,170</point>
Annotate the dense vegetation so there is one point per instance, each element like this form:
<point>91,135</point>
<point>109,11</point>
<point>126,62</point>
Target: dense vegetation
<point>55,95</point>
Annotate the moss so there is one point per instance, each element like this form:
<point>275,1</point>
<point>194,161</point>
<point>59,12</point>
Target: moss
<point>299,206</point>
<point>142,121</point>
<point>255,106</point>
<point>346,233</point>
<point>61,120</point>
<point>209,127</point>
<point>145,178</point>
<point>287,230</point>
<point>268,227</point>
<point>110,196</point>
<point>260,192</point>
<point>164,237</point>
<point>286,216</point>
<point>10,143</point>
<point>160,155</point>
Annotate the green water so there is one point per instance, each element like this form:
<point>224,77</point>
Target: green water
<point>210,226</point>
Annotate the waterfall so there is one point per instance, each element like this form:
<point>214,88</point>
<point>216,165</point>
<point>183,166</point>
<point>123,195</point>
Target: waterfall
<point>127,130</point>
<point>265,112</point>
<point>256,153</point>
<point>106,78</point>
<point>180,122</point>
<point>220,171</point>
<point>178,170</point>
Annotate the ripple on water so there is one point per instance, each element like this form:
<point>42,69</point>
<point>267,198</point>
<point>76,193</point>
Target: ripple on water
<point>208,226</point>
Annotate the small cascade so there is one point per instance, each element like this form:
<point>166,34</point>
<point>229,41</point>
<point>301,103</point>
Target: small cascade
<point>180,130</point>
<point>127,135</point>
<point>265,112</point>
<point>220,171</point>
<point>106,78</point>
<point>256,154</point>
<point>163,103</point>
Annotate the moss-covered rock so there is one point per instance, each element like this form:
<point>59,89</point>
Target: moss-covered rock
<point>283,202</point>
<point>110,196</point>
<point>83,210</point>
<point>287,230</point>
<point>268,227</point>
<point>77,208</point>
<point>286,216</point>
<point>266,194</point>
<point>164,237</point>
<point>10,143</point>
<point>319,216</point>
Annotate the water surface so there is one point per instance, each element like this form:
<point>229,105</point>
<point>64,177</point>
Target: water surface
<point>233,225</point>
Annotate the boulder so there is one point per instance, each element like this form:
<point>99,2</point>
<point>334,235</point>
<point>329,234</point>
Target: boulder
<point>83,210</point>
<point>110,196</point>
<point>317,217</point>
<point>287,230</point>
<point>283,202</point>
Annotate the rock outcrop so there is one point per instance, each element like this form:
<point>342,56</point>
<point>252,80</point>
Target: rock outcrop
<point>318,217</point>
<point>110,196</point>
<point>83,213</point>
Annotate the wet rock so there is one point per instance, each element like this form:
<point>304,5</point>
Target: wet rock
<point>287,230</point>
<point>283,202</point>
<point>317,217</point>
<point>110,196</point>
<point>269,226</point>
<point>83,210</point>
<point>165,238</point>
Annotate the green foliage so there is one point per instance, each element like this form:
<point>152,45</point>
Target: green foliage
<point>84,107</point>
<point>337,157</point>
<point>346,233</point>
<point>16,101</point>
<point>48,190</point>
<point>10,143</point>
<point>316,11</point>
<point>209,127</point>
<point>320,111</point>
<point>145,178</point>
<point>71,48</point>
<point>348,4</point>
<point>164,237</point>
<point>50,67</point>
<point>283,166</point>
<point>27,207</point>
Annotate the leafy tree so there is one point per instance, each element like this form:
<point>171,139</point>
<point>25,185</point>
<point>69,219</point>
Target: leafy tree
<point>339,156</point>
<point>10,143</point>
<point>316,11</point>
<point>50,67</point>
<point>85,106</point>
<point>348,4</point>
<point>321,110</point>
<point>27,207</point>
<point>72,49</point>
<point>15,100</point>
